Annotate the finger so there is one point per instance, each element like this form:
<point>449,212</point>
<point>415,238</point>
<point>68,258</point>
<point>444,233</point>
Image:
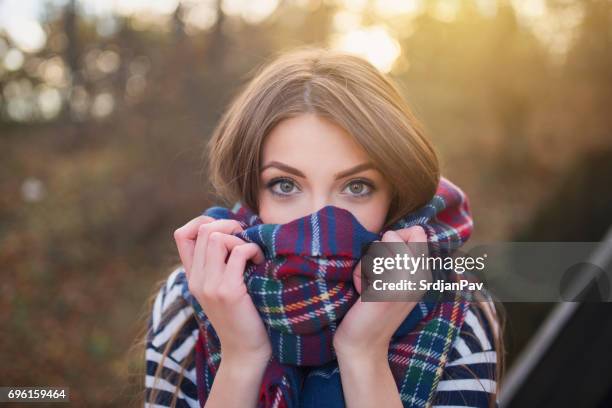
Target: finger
<point>185,238</point>
<point>204,231</point>
<point>415,233</point>
<point>236,263</point>
<point>357,282</point>
<point>416,237</point>
<point>358,278</point>
<point>399,248</point>
<point>219,246</point>
<point>391,236</point>
<point>196,276</point>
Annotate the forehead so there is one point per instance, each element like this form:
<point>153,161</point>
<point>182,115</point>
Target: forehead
<point>312,141</point>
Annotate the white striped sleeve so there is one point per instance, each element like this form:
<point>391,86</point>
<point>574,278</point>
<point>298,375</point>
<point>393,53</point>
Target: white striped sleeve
<point>171,315</point>
<point>469,378</point>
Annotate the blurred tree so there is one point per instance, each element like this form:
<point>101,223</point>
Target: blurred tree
<point>102,133</point>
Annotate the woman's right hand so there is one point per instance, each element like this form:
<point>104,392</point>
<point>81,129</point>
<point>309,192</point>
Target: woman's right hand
<point>216,281</point>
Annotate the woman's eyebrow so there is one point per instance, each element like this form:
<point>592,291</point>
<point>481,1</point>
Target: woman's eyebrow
<point>354,169</point>
<point>284,167</point>
<point>339,175</point>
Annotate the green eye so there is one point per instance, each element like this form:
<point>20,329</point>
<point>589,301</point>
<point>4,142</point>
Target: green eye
<point>359,188</point>
<point>282,187</point>
<point>286,186</point>
<point>356,188</point>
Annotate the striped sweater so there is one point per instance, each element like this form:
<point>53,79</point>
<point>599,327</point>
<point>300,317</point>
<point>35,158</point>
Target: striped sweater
<point>468,379</point>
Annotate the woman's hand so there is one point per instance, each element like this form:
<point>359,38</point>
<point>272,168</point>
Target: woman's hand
<point>362,340</point>
<point>368,326</point>
<point>214,262</point>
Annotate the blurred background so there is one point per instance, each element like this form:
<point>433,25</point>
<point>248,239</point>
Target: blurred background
<point>105,108</point>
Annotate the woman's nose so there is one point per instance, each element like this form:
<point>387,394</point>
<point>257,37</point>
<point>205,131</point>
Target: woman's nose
<point>320,202</point>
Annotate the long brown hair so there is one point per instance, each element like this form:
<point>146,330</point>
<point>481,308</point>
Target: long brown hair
<point>349,91</point>
<point>343,88</point>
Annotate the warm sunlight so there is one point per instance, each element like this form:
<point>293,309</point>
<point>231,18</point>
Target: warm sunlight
<point>251,11</point>
<point>373,43</point>
<point>389,8</point>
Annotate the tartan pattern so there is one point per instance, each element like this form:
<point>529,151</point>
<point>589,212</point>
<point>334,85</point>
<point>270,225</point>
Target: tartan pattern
<point>304,288</point>
<point>446,219</point>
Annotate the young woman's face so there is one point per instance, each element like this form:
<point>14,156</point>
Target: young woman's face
<point>310,162</point>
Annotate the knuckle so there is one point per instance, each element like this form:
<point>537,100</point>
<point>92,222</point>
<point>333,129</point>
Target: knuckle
<point>419,233</point>
<point>244,251</point>
<point>236,224</point>
<point>178,233</point>
<point>224,293</point>
<point>215,237</point>
<point>387,235</point>
<point>209,294</point>
<point>202,229</point>
<point>240,250</point>
<point>205,227</point>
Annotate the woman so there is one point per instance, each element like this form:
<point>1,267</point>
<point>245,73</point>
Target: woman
<point>314,128</point>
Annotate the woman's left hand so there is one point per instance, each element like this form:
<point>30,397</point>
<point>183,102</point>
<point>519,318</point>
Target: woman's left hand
<point>367,327</point>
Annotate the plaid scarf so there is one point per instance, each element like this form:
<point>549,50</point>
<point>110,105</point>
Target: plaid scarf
<point>304,288</point>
